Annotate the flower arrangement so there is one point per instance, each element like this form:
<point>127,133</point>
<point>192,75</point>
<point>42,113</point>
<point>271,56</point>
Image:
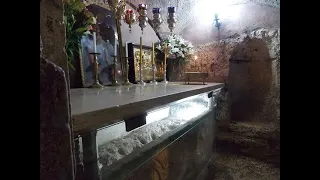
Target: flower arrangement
<point>78,21</point>
<point>178,48</point>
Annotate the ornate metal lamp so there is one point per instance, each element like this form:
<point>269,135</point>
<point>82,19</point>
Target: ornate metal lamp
<point>143,19</point>
<point>171,20</point>
<point>130,18</point>
<point>157,20</point>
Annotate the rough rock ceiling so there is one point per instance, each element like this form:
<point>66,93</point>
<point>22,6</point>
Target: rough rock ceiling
<point>185,9</point>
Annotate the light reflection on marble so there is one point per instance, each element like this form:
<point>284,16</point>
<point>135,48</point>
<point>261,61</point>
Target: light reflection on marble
<point>85,100</point>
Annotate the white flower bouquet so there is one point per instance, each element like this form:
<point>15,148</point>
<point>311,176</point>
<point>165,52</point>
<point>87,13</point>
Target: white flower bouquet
<point>178,48</point>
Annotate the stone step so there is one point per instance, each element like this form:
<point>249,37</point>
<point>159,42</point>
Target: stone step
<point>258,130</point>
<point>265,150</point>
<point>232,167</point>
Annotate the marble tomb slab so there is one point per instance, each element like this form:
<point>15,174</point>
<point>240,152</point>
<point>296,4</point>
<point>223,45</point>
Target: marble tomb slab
<point>95,108</point>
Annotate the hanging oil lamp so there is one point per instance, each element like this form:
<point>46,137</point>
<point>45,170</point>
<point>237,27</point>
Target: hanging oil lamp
<point>143,19</point>
<point>157,20</point>
<point>130,18</point>
<point>171,18</point>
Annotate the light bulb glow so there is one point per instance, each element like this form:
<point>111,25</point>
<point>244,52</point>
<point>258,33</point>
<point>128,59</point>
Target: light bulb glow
<point>205,11</point>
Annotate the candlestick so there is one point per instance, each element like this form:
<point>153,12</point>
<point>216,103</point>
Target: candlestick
<point>94,42</point>
<point>140,63</point>
<point>126,60</point>
<point>96,83</point>
<point>153,65</point>
<point>127,49</point>
<point>165,50</point>
<point>152,55</point>
<point>140,49</point>
<point>114,77</point>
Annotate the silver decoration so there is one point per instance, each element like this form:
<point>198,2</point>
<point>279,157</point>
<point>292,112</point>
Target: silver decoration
<point>171,18</point>
<point>143,19</point>
<point>157,19</point>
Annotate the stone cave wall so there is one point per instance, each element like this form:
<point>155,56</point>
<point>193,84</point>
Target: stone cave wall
<point>253,85</point>
<point>250,31</point>
<point>56,156</point>
<point>214,57</point>
<point>52,31</point>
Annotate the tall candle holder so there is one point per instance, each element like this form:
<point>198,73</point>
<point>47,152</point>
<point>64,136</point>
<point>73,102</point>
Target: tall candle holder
<point>96,83</point>
<point>114,76</point>
<point>166,52</point>
<point>140,64</point>
<point>153,66</point>
<point>143,19</point>
<point>140,74</point>
<point>126,81</point>
<point>117,8</point>
<point>130,19</point>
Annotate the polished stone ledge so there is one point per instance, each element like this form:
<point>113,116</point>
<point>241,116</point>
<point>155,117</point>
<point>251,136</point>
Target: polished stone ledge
<point>95,108</point>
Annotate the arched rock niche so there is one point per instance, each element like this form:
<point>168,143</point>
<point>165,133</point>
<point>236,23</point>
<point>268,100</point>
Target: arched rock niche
<point>249,79</point>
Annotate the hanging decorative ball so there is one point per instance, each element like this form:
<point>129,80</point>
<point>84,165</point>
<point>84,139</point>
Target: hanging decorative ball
<point>130,18</point>
<point>157,20</point>
<point>143,19</point>
<point>171,18</point>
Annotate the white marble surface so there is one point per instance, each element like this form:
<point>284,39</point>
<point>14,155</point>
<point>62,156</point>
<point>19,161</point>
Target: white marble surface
<point>99,107</point>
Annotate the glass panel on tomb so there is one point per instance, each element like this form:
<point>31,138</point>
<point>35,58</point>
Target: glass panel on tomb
<point>164,125</point>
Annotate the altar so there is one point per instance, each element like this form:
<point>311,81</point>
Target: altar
<point>152,131</point>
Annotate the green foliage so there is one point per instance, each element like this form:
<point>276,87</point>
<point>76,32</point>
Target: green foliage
<point>78,20</point>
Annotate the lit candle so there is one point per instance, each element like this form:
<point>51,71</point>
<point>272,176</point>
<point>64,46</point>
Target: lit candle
<point>127,55</point>
<point>94,42</point>
<point>140,49</point>
<point>152,55</point>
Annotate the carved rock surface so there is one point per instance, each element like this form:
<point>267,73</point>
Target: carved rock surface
<point>250,62</point>
<point>56,159</point>
<point>52,31</point>
<point>214,57</point>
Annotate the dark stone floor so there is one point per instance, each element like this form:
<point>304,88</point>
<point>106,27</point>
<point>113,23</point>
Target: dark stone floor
<point>233,167</point>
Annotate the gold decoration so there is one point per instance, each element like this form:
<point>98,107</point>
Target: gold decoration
<point>166,52</point>
<point>146,64</point>
<point>96,83</point>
